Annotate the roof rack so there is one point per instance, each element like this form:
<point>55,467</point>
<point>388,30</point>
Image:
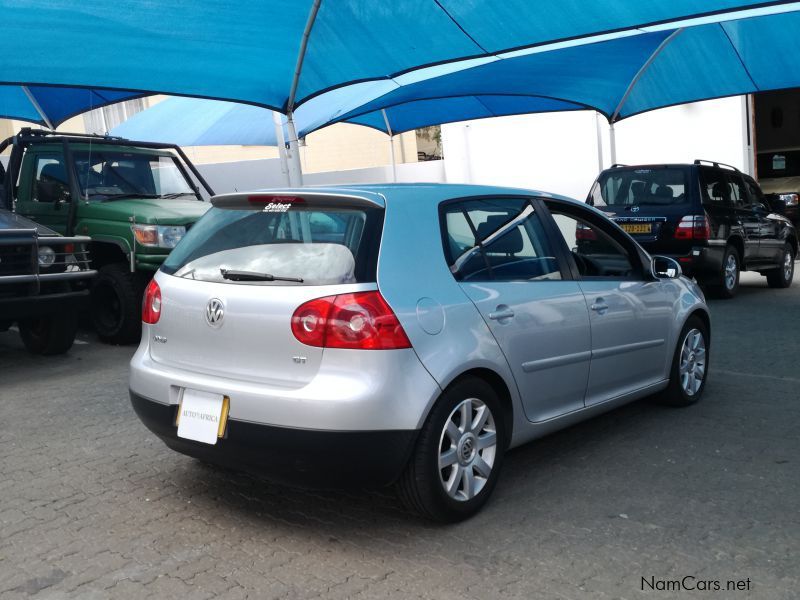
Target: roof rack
<point>700,161</point>
<point>28,131</point>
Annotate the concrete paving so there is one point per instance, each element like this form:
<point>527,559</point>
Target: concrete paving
<point>624,506</point>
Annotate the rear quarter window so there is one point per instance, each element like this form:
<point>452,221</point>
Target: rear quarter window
<point>324,246</point>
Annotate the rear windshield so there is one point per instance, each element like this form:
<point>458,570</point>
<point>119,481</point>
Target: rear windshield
<point>306,246</point>
<point>655,186</point>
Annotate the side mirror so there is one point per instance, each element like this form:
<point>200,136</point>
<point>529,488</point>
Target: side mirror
<point>664,267</point>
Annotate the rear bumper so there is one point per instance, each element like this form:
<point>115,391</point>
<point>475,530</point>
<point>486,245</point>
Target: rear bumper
<point>300,456</point>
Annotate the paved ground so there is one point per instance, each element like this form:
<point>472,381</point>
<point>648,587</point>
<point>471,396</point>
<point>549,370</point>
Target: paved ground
<point>92,506</point>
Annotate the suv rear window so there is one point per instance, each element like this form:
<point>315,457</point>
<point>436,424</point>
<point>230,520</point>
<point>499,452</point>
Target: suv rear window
<point>640,186</point>
<point>320,246</point>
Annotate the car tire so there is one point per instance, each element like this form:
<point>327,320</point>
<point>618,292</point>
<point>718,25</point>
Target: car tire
<point>692,354</point>
<point>782,276</point>
<point>49,334</point>
<point>472,455</point>
<point>728,283</point>
<point>117,304</point>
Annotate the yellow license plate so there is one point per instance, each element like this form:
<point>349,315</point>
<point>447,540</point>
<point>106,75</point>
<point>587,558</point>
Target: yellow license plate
<point>637,227</point>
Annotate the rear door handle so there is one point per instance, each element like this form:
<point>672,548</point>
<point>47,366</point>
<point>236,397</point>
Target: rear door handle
<point>501,313</point>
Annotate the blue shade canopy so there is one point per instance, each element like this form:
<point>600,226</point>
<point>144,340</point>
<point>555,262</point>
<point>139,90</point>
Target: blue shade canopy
<point>250,50</point>
<point>198,122</point>
<point>51,106</point>
<point>618,78</point>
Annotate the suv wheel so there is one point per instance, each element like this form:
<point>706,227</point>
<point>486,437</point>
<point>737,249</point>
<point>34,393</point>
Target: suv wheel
<point>458,455</point>
<point>783,275</point>
<point>117,304</point>
<point>50,334</point>
<point>689,371</point>
<point>729,284</point>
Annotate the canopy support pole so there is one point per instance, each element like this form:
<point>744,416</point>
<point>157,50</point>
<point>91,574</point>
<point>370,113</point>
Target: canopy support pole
<point>391,145</point>
<point>293,157</point>
<point>38,107</point>
<point>276,120</point>
<point>612,142</point>
<point>599,135</point>
<point>293,153</point>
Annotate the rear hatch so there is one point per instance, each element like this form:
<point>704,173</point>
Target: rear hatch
<point>221,315</point>
<point>648,202</point>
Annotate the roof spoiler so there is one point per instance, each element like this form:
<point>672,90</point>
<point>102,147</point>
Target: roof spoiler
<point>285,200</point>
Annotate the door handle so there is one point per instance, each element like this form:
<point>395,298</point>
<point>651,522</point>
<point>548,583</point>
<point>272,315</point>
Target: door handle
<point>501,313</point>
<point>599,306</point>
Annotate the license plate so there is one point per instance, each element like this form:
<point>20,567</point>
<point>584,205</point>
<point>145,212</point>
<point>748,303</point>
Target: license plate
<point>637,227</point>
<point>202,416</point>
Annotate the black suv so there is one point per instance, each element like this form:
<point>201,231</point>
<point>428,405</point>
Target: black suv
<point>710,217</point>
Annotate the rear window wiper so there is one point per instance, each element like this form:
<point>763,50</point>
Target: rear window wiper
<point>253,276</point>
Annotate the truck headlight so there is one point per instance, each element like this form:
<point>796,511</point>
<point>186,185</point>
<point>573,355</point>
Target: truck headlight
<point>788,199</point>
<point>46,256</point>
<point>158,236</point>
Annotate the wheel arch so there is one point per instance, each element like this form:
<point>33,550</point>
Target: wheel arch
<point>106,251</point>
<point>738,243</point>
<point>499,385</point>
<point>702,314</point>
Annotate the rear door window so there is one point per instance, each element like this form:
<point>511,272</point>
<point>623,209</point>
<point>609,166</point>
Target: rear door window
<point>497,239</point>
<point>307,245</point>
<point>714,187</point>
<point>738,192</point>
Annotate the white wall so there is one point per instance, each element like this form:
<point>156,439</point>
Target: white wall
<point>258,174</point>
<point>558,152</point>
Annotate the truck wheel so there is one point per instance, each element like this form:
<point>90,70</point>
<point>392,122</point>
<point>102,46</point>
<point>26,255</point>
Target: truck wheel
<point>783,275</point>
<point>458,455</point>
<point>117,304</point>
<point>728,283</point>
<point>50,334</point>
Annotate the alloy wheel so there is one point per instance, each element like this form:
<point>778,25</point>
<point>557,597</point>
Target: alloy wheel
<point>692,366</point>
<point>788,265</point>
<point>467,449</point>
<point>731,271</point>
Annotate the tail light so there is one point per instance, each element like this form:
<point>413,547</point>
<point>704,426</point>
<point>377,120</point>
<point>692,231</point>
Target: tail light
<point>583,232</point>
<point>360,321</point>
<point>693,227</point>
<point>151,306</point>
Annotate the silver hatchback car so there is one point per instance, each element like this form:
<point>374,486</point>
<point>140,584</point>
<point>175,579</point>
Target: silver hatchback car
<point>406,334</point>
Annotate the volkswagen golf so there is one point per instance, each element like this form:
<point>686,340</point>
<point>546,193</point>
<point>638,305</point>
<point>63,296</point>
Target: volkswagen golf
<point>406,334</point>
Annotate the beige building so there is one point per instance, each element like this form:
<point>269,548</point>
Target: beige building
<point>335,148</point>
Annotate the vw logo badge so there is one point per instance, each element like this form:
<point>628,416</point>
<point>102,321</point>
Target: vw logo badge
<point>215,311</point>
<point>634,209</point>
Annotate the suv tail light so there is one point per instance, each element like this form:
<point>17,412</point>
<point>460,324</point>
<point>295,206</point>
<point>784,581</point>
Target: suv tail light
<point>361,321</point>
<point>693,227</point>
<point>151,306</point>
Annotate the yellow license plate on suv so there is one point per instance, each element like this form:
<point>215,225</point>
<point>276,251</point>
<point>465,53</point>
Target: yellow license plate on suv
<point>637,227</point>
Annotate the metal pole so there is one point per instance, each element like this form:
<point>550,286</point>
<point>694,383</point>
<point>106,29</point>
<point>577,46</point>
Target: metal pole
<point>391,145</point>
<point>612,138</point>
<point>293,154</point>
<point>599,135</point>
<point>276,120</point>
<point>38,107</point>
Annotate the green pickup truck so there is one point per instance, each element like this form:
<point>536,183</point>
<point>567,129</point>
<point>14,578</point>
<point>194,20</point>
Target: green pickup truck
<point>134,199</point>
